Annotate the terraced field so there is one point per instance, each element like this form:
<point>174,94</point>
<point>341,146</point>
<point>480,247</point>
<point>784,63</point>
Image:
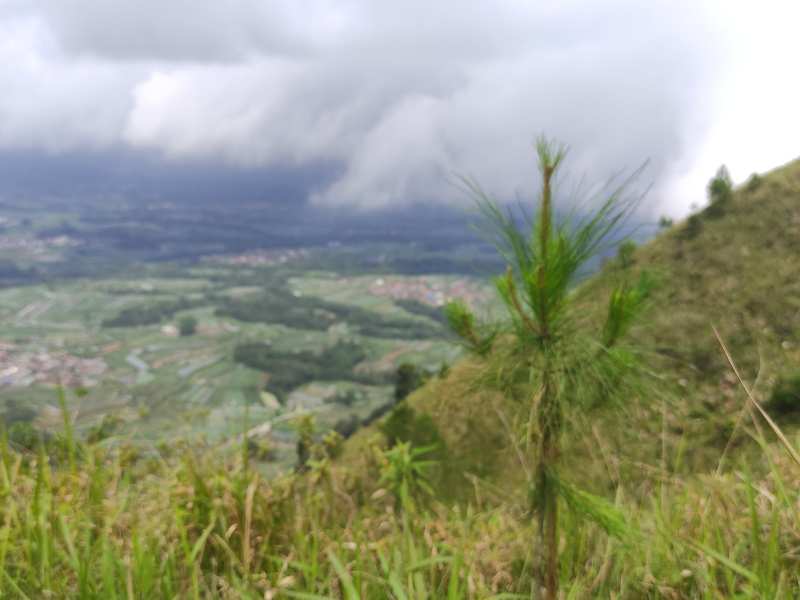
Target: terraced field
<point>116,342</point>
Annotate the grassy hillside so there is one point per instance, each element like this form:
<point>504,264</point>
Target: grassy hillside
<point>736,271</point>
<point>359,520</point>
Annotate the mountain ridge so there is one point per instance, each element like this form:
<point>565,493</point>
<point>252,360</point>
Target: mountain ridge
<point>719,267</point>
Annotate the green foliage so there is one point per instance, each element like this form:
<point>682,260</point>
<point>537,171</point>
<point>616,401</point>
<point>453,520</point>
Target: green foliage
<point>624,308</point>
<point>407,379</point>
<point>332,444</point>
<point>278,305</point>
<point>305,428</point>
<point>754,182</point>
<point>404,424</point>
<point>785,397</point>
<point>260,449</point>
<point>720,191</point>
<point>464,324</point>
<point>693,227</point>
<point>210,529</point>
<point>190,524</point>
<point>720,187</point>
<point>187,325</point>
<point>545,356</point>
<point>151,314</point>
<point>289,370</point>
<point>544,265</point>
<point>24,435</point>
<point>405,474</point>
<point>347,426</point>
<point>105,429</point>
<point>665,222</point>
<point>625,253</point>
<point>595,508</point>
<point>444,370</point>
<point>69,431</point>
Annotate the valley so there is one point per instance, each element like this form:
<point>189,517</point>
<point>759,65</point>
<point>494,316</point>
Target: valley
<point>116,345</point>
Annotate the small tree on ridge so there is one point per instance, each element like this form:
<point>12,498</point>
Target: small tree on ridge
<point>542,351</point>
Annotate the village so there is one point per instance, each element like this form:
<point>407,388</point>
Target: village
<point>261,258</point>
<point>25,367</point>
<point>433,291</point>
<point>34,248</point>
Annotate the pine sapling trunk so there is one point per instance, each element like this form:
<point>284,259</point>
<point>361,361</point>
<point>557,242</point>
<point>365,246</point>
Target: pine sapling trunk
<point>549,417</point>
<point>549,422</point>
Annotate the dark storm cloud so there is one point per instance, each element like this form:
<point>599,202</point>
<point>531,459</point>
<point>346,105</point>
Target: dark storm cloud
<point>396,95</point>
<point>138,175</point>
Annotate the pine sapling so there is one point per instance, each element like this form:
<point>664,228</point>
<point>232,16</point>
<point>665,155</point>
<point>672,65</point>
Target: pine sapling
<point>541,350</point>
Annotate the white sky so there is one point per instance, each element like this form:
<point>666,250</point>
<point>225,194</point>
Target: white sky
<point>755,122</point>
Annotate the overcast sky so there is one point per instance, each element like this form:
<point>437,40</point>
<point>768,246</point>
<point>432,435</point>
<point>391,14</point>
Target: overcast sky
<point>393,97</point>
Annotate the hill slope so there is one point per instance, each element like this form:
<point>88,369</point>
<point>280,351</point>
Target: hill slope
<point>733,266</point>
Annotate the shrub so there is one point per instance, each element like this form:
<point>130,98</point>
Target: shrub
<point>720,187</point>
<point>404,424</point>
<point>665,222</point>
<point>720,190</point>
<point>407,380</point>
<point>333,444</point>
<point>405,474</point>
<point>625,253</point>
<point>305,428</point>
<point>754,182</point>
<point>289,370</point>
<point>187,326</point>
<point>24,435</point>
<point>444,370</point>
<point>399,426</point>
<point>347,426</point>
<point>693,228</point>
<point>260,449</point>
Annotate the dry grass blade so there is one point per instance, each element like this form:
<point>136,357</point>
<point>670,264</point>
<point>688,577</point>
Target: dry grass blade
<point>786,443</point>
<point>247,551</point>
<point>746,409</point>
<point>513,439</point>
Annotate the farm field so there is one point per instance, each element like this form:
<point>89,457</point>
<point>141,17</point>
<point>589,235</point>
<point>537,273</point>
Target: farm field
<point>115,345</point>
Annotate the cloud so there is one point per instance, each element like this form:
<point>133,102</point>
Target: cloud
<point>55,104</point>
<point>399,95</point>
<point>183,30</point>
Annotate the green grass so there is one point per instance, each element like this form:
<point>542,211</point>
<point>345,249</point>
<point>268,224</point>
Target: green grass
<point>739,274</point>
<point>202,524</point>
